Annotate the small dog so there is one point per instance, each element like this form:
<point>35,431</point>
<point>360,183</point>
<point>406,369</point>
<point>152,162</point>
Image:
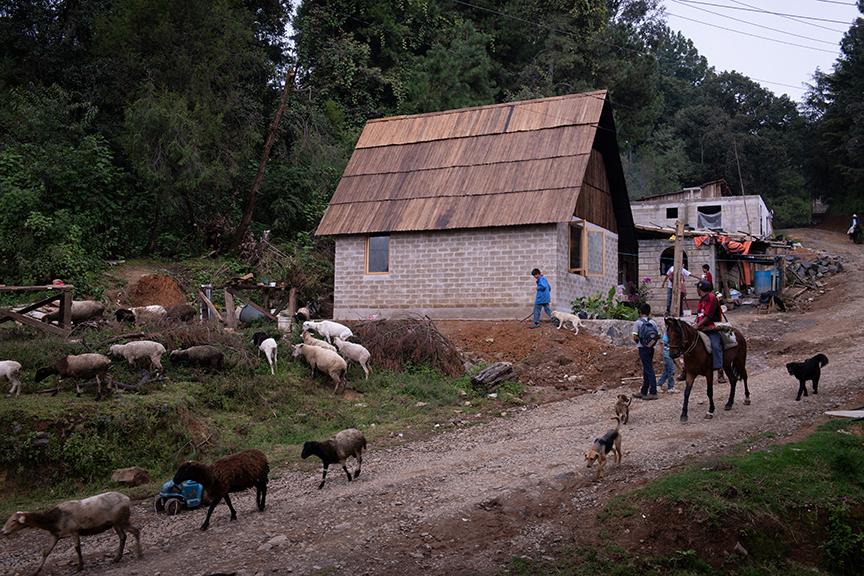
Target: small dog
<point>562,317</point>
<point>622,408</point>
<point>808,370</point>
<point>609,442</point>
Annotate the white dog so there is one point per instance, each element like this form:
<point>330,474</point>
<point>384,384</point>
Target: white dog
<point>563,317</point>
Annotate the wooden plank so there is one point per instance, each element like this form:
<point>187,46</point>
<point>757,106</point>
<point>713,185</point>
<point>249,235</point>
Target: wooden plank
<point>33,323</point>
<point>678,262</point>
<point>210,306</point>
<point>856,414</point>
<point>19,289</point>
<point>34,306</point>
<point>230,312</point>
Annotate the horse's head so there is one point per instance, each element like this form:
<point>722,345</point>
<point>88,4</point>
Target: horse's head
<point>675,332</point>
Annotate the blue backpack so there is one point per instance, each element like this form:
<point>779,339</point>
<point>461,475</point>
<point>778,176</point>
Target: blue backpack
<point>648,334</point>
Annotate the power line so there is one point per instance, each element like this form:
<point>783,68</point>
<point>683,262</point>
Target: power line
<point>752,35</point>
<point>814,25</point>
<point>753,9</point>
<point>566,33</point>
<point>836,2</point>
<point>756,25</point>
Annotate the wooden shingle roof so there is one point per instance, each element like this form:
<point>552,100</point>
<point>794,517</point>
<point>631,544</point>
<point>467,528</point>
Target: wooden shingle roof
<point>500,165</point>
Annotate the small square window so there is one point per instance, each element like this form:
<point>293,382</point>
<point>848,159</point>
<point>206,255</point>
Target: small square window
<point>672,213</point>
<point>378,255</point>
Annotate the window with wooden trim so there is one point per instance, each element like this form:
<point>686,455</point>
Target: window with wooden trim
<point>596,252</point>
<point>577,243</point>
<point>378,254</point>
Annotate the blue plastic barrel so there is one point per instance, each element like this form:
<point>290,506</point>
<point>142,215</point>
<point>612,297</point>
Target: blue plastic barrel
<point>762,281</point>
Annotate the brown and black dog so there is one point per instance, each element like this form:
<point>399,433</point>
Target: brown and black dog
<point>622,408</point>
<point>609,442</point>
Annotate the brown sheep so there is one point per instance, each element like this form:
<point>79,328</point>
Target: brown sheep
<point>233,473</point>
<point>80,366</point>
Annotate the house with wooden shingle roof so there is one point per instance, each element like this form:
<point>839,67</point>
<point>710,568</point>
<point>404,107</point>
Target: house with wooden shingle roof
<point>446,214</point>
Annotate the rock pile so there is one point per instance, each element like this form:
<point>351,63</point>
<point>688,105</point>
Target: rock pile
<point>807,272</point>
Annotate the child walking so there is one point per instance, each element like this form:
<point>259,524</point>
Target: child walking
<point>668,368</point>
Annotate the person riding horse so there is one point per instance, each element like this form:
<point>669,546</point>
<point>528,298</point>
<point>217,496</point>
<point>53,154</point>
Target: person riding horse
<point>707,313</point>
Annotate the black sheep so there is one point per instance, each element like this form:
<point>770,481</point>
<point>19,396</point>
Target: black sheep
<point>233,473</point>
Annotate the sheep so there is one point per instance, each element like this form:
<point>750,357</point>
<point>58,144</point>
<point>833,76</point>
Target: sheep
<point>233,473</point>
<point>141,314</point>
<point>82,310</point>
<point>10,370</point>
<point>312,341</point>
<point>138,350</point>
<point>337,450</point>
<point>355,352</point>
<point>207,356</point>
<point>181,312</point>
<point>328,329</point>
<point>80,366</point>
<point>325,360</point>
<point>269,347</point>
<point>78,518</point>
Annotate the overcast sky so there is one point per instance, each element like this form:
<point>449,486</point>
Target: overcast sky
<point>761,59</point>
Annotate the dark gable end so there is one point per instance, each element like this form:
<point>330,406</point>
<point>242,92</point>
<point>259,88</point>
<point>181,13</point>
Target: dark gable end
<point>502,165</point>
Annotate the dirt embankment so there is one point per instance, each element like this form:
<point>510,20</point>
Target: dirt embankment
<point>468,500</point>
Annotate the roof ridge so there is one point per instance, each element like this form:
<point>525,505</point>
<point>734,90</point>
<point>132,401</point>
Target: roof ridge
<point>590,94</point>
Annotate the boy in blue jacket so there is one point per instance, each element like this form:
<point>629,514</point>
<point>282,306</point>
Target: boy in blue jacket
<point>544,296</point>
<point>668,368</point>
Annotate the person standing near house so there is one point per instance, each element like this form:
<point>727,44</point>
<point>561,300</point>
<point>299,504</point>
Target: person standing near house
<point>646,334</point>
<point>543,297</point>
<point>706,274</point>
<point>707,314</point>
<point>667,281</point>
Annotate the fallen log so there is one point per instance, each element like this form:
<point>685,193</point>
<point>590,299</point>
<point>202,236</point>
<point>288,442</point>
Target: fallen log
<point>490,378</point>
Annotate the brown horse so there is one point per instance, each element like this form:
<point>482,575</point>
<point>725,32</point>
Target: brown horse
<point>684,341</point>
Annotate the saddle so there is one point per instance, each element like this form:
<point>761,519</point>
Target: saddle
<point>727,335</point>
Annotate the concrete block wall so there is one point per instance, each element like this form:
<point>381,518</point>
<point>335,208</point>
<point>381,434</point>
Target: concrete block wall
<point>471,274</point>
<point>571,286</point>
<point>649,266</point>
<point>735,215</point>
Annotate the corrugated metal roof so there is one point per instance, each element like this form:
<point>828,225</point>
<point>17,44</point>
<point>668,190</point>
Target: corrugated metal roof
<point>500,165</point>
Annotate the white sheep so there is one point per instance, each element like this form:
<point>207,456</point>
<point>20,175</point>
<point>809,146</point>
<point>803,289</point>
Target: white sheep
<point>10,370</point>
<point>269,347</point>
<point>312,341</point>
<point>80,366</point>
<point>328,329</point>
<point>75,518</point>
<point>355,352</point>
<point>138,350</point>
<point>325,360</point>
<point>141,314</point>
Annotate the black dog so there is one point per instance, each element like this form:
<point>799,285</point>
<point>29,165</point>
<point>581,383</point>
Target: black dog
<point>808,370</point>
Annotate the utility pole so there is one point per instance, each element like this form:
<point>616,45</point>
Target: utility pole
<point>679,264</point>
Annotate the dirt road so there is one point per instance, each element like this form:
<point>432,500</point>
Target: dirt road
<point>466,501</point>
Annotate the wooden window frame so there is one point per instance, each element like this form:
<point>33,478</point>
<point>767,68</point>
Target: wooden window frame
<point>366,263</point>
<point>583,256</point>
<point>602,271</point>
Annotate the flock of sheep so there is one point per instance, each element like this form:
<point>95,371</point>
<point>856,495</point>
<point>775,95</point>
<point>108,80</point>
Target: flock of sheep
<point>234,473</point>
<point>328,356</point>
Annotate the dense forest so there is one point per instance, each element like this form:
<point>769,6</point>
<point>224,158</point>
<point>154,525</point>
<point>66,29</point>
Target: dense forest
<point>136,127</point>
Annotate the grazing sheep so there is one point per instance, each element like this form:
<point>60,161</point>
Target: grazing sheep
<point>181,312</point>
<point>139,350</point>
<point>269,347</point>
<point>355,352</point>
<point>78,518</point>
<point>206,356</point>
<point>327,361</point>
<point>10,370</point>
<point>82,310</point>
<point>312,341</point>
<point>80,366</point>
<point>141,314</point>
<point>233,473</point>
<point>328,329</point>
<point>337,450</point>
<point>303,314</point>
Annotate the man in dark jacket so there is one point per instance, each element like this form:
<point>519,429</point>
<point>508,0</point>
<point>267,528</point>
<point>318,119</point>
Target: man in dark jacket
<point>544,296</point>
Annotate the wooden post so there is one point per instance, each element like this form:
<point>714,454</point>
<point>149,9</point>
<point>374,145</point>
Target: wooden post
<point>678,263</point>
<point>213,312</point>
<point>230,312</point>
<point>292,307</point>
<point>66,310</point>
